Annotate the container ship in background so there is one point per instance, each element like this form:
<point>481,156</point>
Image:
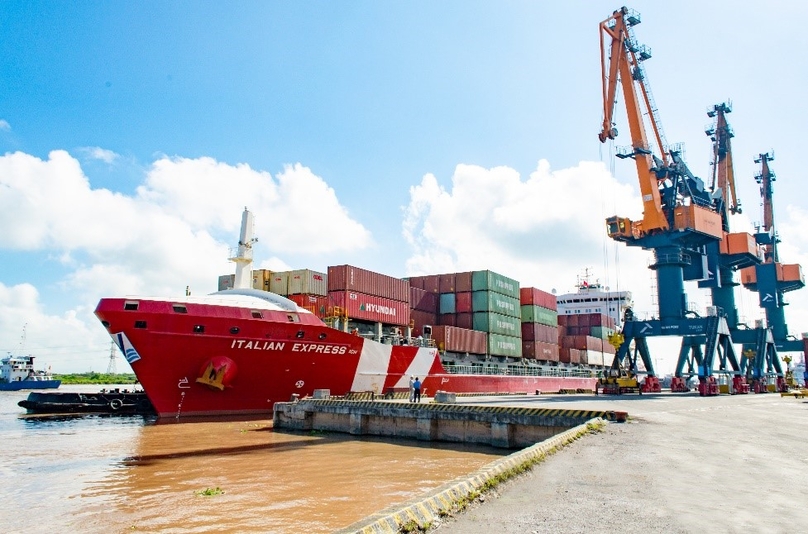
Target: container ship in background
<point>266,337</point>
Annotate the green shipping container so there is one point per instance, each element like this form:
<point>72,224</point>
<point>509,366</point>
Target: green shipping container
<point>488,301</point>
<point>499,345</point>
<point>491,281</point>
<point>496,323</point>
<point>537,314</point>
<point>600,331</point>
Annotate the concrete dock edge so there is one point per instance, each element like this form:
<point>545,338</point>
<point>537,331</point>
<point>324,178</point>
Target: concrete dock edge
<point>427,508</point>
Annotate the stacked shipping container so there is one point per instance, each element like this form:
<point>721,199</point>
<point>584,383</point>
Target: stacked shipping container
<point>369,296</point>
<point>584,339</point>
<point>539,313</point>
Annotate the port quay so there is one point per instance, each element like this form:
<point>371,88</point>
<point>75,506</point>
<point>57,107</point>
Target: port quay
<point>634,463</point>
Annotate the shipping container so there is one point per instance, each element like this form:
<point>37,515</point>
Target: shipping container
<point>464,320</point>
<point>568,319</point>
<point>537,314</point>
<point>448,319</point>
<point>536,297</point>
<point>429,283</point>
<point>489,301</point>
<point>739,243</point>
<point>581,342</point>
<point>261,278</point>
<point>423,300</point>
<point>463,302</point>
<point>419,318</point>
<point>454,339</point>
<point>446,283</point>
<point>307,282</point>
<point>494,282</point>
<point>538,350</point>
<point>373,308</point>
<point>497,323</point>
<point>279,283</point>
<point>603,332</point>
<point>447,303</point>
<point>539,332</point>
<point>499,345</point>
<point>227,281</point>
<point>593,357</point>
<point>463,282</point>
<point>350,278</point>
<point>316,304</point>
<point>697,218</point>
<point>569,355</point>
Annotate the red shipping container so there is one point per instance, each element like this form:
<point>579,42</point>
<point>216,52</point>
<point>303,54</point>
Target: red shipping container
<point>371,307</point>
<point>423,301</point>
<point>539,332</point>
<point>464,320</point>
<point>536,297</point>
<point>446,283</point>
<point>463,302</point>
<point>416,281</point>
<point>349,278</point>
<point>569,355</point>
<point>420,318</point>
<point>429,283</point>
<point>562,331</point>
<point>448,319</point>
<point>569,319</point>
<point>463,282</point>
<point>316,304</point>
<point>456,339</point>
<point>540,351</point>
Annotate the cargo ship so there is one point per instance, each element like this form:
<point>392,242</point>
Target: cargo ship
<point>18,373</point>
<point>242,349</point>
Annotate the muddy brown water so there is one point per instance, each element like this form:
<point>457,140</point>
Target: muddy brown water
<point>130,474</point>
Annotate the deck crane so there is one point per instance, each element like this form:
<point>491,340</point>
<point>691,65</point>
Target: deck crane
<point>679,217</point>
<point>771,280</point>
<point>735,251</point>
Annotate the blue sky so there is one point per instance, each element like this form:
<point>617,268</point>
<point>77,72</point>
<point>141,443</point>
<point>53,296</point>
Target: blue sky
<point>403,137</point>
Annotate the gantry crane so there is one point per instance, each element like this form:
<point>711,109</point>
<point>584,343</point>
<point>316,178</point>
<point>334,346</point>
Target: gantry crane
<point>735,251</point>
<point>771,280</point>
<point>679,217</point>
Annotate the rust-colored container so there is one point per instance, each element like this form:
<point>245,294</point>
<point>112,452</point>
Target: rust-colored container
<point>739,243</point>
<point>537,350</point>
<point>416,281</point>
<point>448,319</point>
<point>463,302</point>
<point>697,218</point>
<point>539,332</point>
<point>791,272</point>
<point>582,342</point>
<point>423,300</point>
<point>430,283</point>
<point>569,355</point>
<point>456,339</point>
<point>464,320</point>
<point>419,318</point>
<point>371,307</point>
<point>536,297</point>
<point>316,304</point>
<point>463,282</point>
<point>562,331</point>
<point>350,278</point>
<point>446,283</point>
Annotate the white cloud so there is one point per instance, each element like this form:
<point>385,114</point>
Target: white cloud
<point>159,240</point>
<point>107,156</point>
<point>4,125</point>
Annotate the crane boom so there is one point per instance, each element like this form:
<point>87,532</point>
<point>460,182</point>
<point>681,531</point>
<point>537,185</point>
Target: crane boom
<point>623,64</point>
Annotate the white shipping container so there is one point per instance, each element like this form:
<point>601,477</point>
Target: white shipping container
<point>596,357</point>
<point>279,283</point>
<point>307,282</point>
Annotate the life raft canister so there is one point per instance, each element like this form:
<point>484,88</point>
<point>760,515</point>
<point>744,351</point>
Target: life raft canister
<point>218,373</point>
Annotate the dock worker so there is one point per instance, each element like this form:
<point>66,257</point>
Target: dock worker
<point>417,390</point>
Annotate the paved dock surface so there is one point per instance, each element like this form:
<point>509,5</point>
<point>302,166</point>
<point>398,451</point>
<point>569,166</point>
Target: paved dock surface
<point>682,464</point>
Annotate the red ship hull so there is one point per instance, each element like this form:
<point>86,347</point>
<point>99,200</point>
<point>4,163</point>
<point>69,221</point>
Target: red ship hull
<point>213,356</point>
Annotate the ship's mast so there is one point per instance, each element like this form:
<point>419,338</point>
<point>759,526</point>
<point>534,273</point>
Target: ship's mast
<point>244,256</point>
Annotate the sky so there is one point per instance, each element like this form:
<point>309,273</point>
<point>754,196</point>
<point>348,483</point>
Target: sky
<point>406,138</point>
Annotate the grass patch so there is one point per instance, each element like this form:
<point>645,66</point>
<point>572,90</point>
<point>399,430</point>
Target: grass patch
<point>209,492</point>
<point>412,526</point>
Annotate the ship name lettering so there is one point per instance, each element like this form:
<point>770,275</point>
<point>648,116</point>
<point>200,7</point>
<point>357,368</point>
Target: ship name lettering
<point>257,345</point>
<point>319,348</point>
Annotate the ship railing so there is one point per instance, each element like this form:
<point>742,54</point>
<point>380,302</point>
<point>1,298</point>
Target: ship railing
<point>517,371</point>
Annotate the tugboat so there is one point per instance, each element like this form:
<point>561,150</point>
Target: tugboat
<point>17,372</point>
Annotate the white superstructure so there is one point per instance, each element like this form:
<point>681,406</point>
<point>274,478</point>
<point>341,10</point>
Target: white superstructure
<point>592,297</point>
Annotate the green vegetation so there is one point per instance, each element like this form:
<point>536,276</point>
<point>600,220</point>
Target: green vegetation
<point>210,492</point>
<point>412,526</point>
<point>96,378</point>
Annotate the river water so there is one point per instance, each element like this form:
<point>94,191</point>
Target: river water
<point>116,474</point>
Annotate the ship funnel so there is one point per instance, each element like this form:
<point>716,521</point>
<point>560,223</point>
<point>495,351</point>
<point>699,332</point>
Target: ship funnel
<point>244,254</point>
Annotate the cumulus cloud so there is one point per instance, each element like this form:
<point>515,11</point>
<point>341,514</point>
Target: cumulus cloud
<point>94,152</point>
<point>4,125</point>
<point>162,238</point>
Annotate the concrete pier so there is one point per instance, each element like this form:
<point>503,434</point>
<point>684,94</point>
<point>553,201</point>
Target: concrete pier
<point>499,426</point>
